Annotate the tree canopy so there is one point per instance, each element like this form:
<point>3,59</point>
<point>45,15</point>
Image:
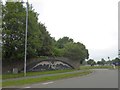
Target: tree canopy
<point>76,51</point>
<point>102,62</point>
<point>39,43</point>
<point>91,62</point>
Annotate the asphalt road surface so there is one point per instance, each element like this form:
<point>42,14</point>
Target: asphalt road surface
<point>100,78</point>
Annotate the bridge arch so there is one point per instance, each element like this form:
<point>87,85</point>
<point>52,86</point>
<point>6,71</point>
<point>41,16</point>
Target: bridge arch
<point>49,64</point>
<point>38,64</point>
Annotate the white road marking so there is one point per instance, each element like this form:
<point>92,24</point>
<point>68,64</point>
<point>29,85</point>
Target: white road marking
<point>101,69</point>
<point>23,88</point>
<point>47,83</point>
<point>27,87</point>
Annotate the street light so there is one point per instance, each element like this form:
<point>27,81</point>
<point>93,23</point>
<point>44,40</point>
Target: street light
<point>26,38</point>
<point>119,54</point>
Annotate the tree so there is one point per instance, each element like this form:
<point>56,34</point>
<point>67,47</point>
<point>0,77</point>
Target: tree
<point>102,62</point>
<point>109,62</point>
<point>39,42</point>
<point>13,35</point>
<point>34,33</point>
<point>116,61</point>
<point>47,42</point>
<point>99,62</point>
<point>75,51</point>
<point>91,62</point>
<point>13,31</point>
<point>58,52</point>
<point>62,41</point>
<point>84,62</point>
<point>84,54</point>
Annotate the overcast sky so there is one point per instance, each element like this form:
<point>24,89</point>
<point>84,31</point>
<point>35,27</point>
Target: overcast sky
<point>91,22</point>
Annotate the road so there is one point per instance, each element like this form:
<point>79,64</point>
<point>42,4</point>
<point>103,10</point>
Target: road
<point>100,78</point>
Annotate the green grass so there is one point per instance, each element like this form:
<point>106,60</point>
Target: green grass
<point>118,67</point>
<point>47,78</point>
<point>95,67</point>
<point>8,76</point>
<point>0,76</point>
<point>0,82</point>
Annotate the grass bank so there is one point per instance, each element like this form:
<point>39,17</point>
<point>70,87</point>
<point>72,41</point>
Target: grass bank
<point>47,78</point>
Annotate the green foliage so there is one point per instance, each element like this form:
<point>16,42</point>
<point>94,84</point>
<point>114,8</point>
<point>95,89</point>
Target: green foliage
<point>34,32</point>
<point>39,42</point>
<point>72,51</point>
<point>116,60</point>
<point>14,24</point>
<point>91,62</point>
<point>58,52</point>
<point>66,47</point>
<point>47,42</point>
<point>13,30</point>
<point>109,62</point>
<point>75,51</point>
<point>102,62</point>
<point>62,41</point>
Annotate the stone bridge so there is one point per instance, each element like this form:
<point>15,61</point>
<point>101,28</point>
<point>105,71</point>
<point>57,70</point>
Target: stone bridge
<point>58,63</point>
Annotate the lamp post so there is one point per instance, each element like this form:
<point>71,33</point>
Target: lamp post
<point>26,38</point>
<point>119,53</point>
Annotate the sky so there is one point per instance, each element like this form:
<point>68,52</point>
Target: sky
<point>91,22</point>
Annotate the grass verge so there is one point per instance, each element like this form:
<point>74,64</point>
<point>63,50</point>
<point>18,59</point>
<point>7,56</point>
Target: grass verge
<point>95,67</point>
<point>9,76</point>
<point>47,78</point>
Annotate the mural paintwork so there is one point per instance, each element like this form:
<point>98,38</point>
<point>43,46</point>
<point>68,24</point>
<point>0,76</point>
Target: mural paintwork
<point>50,65</point>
